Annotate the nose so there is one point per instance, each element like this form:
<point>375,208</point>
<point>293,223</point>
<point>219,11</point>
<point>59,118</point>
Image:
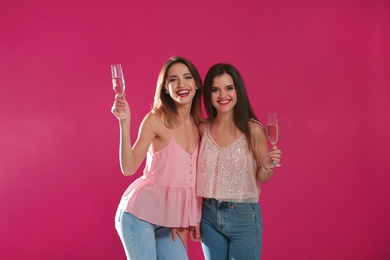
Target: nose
<point>222,93</point>
<point>181,83</point>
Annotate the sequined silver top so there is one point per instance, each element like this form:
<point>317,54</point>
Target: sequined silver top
<point>228,173</point>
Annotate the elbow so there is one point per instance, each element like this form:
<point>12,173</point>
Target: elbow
<point>127,172</point>
<point>127,169</point>
<point>263,179</point>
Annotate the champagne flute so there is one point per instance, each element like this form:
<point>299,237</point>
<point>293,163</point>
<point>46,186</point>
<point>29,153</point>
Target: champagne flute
<point>118,82</point>
<point>273,130</point>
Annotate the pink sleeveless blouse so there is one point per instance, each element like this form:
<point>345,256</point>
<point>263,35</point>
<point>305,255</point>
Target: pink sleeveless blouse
<point>228,173</point>
<point>165,195</point>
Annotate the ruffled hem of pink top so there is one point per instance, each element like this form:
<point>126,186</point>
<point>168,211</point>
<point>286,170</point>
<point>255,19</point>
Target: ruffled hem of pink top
<point>162,205</point>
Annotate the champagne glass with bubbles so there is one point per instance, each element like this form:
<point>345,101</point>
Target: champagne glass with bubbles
<point>118,82</point>
<point>273,130</point>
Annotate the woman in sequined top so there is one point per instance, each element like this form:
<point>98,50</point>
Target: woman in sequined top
<point>233,159</point>
<point>162,203</point>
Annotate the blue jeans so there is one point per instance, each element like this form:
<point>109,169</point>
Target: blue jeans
<point>231,230</point>
<point>145,241</point>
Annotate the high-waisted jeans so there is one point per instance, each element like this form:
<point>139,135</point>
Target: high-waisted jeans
<point>145,241</point>
<point>231,230</point>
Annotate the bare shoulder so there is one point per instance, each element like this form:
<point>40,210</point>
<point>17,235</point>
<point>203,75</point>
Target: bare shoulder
<point>259,140</point>
<point>202,127</point>
<point>153,123</point>
<point>253,123</point>
<point>257,130</point>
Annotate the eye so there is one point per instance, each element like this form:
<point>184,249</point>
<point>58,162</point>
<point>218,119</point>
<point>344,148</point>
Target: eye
<point>188,77</point>
<point>172,79</point>
<point>214,90</point>
<point>231,87</point>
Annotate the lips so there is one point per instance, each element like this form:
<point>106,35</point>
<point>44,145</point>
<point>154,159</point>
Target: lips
<point>183,92</point>
<point>224,102</point>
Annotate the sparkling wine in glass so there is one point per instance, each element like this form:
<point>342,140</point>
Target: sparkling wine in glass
<point>118,82</point>
<point>273,130</point>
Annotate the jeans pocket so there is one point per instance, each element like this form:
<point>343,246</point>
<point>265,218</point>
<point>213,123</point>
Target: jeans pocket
<point>243,210</point>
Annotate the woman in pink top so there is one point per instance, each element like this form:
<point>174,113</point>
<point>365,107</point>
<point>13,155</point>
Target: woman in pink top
<point>162,203</point>
<point>233,159</point>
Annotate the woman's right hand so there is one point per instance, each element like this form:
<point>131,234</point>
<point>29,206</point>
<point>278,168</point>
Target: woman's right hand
<point>195,233</point>
<point>121,107</point>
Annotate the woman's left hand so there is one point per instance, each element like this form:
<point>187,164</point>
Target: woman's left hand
<point>182,233</point>
<point>274,157</point>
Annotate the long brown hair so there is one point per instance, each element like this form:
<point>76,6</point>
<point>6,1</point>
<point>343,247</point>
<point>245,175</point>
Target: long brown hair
<point>243,112</point>
<point>165,105</point>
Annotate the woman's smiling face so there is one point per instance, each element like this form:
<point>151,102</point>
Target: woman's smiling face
<point>180,84</point>
<point>223,93</point>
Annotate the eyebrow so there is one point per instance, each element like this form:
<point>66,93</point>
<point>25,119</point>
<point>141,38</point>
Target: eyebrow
<point>229,85</point>
<point>185,74</point>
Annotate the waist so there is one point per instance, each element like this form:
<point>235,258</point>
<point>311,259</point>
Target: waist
<point>227,203</point>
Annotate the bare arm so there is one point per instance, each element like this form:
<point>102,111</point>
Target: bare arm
<point>130,156</point>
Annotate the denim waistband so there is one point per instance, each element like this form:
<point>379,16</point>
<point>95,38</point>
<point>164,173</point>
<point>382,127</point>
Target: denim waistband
<point>214,200</point>
<point>222,202</point>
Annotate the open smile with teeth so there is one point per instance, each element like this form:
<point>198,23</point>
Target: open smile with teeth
<point>224,102</point>
<point>183,92</point>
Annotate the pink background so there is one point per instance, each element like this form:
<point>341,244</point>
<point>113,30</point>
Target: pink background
<point>322,65</point>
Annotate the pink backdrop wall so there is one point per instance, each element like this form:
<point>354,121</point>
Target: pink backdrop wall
<point>322,65</point>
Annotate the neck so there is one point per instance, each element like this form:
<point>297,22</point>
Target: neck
<point>224,123</point>
<point>224,119</point>
<point>184,116</point>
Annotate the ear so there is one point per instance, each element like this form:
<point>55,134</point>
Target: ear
<point>166,89</point>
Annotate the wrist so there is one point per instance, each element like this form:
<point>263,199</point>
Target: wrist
<point>270,169</point>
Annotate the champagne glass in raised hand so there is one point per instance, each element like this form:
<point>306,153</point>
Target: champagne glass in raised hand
<point>273,130</point>
<point>118,82</point>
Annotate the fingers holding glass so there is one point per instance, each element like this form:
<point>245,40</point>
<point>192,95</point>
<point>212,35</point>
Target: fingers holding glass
<point>118,84</point>
<point>273,135</point>
<point>120,108</point>
<point>276,155</point>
